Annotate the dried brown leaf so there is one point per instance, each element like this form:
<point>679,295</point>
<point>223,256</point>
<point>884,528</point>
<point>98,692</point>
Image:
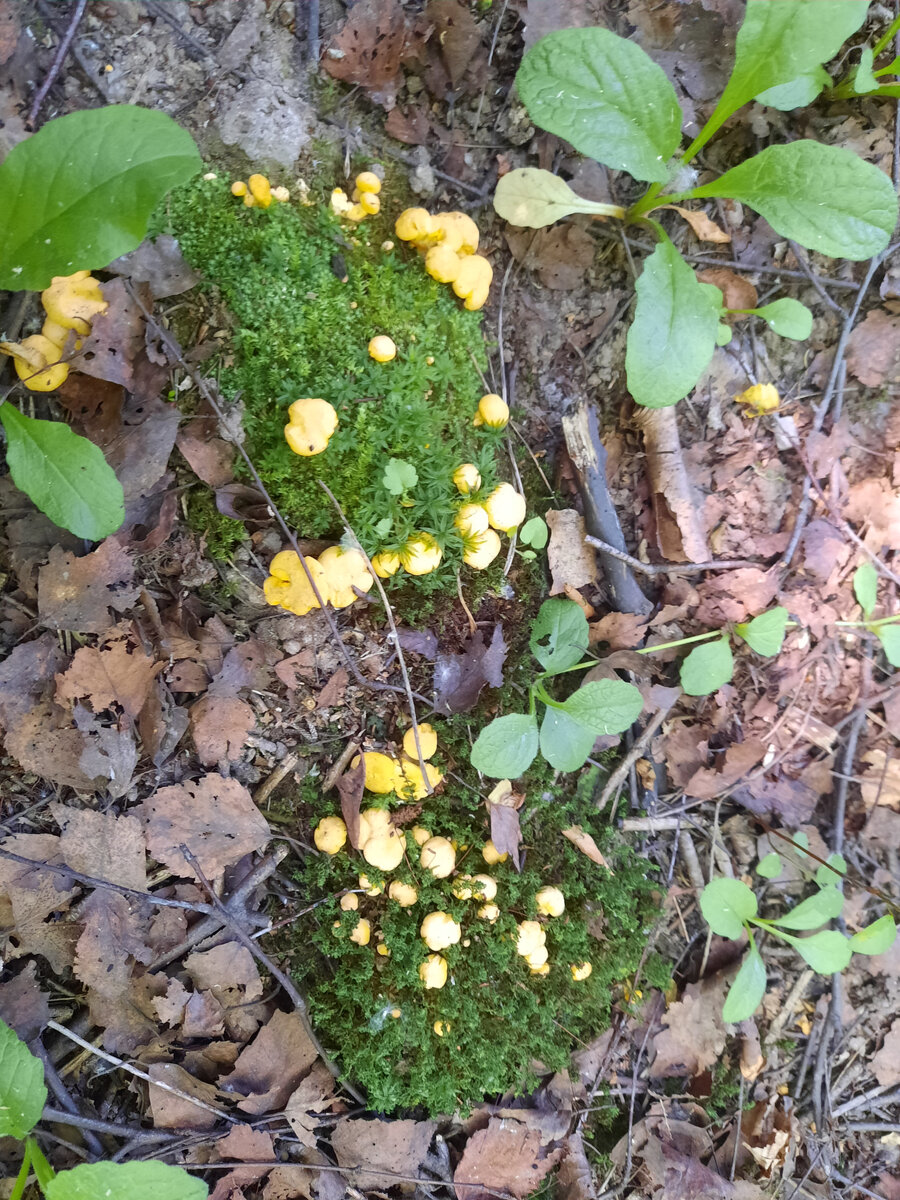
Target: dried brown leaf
<point>269,1069</point>
<point>117,672</point>
<point>243,1142</point>
<point>385,1149</point>
<point>873,349</point>
<point>505,831</point>
<point>583,841</point>
<point>571,560</point>
<point>210,458</point>
<point>34,894</point>
<point>695,1035</point>
<point>680,534</point>
<point>312,1097</point>
<point>507,1156</point>
<point>104,845</point>
<point>220,725</point>
<point>115,340</point>
<point>115,930</point>
<point>23,1006</point>
<point>160,264</point>
<point>737,290</point>
<point>350,788</point>
<point>77,593</point>
<point>174,1112</point>
<point>703,226</point>
<point>228,965</point>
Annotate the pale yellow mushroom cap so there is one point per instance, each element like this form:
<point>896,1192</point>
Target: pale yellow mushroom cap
<point>467,478</point>
<point>487,887</point>
<point>330,835</point>
<point>260,190</point>
<point>481,550</point>
<point>345,570</point>
<point>362,933</point>
<point>413,224</point>
<point>57,334</point>
<point>580,971</point>
<point>396,1013</point>
<point>281,194</point>
<point>403,894</point>
<point>761,398</point>
<point>441,1027</point>
<point>427,742</point>
<point>340,204</point>
<point>350,902</point>
<point>370,888</point>
<point>373,822</point>
<point>383,950</point>
<point>288,585</point>
<point>385,853</point>
<point>542,970</point>
<point>386,563</point>
<point>474,279</point>
<point>442,263</point>
<point>357,212</point>
<point>73,301</point>
<point>537,958</point>
<point>420,834</point>
<point>505,508</point>
<point>239,188</point>
<point>488,912</point>
<point>531,937</point>
<point>459,231</point>
<point>370,203</point>
<point>36,361</point>
<point>491,855</point>
<point>438,857</point>
<point>382,348</point>
<point>492,412</point>
<point>433,971</point>
<point>472,520</point>
<point>413,785</point>
<point>439,931</point>
<point>381,773</point>
<point>462,887</point>
<point>311,422</point>
<point>550,902</point>
<point>368,182</point>
<point>421,554</point>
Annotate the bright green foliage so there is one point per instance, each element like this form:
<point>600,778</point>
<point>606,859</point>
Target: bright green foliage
<point>765,633</point>
<point>769,867</point>
<point>746,993</point>
<point>865,588</point>
<point>65,475</point>
<point>727,904</point>
<point>298,335</point>
<point>886,629</point>
<point>532,198</point>
<point>534,533</point>
<point>501,1017</point>
<point>788,318</point>
<point>22,1091</point>
<point>125,1181</point>
<point>80,191</point>
<point>707,667</point>
<point>559,635</point>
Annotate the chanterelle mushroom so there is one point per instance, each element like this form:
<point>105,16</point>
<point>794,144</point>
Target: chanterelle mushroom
<point>311,422</point>
<point>345,570</point>
<point>288,585</point>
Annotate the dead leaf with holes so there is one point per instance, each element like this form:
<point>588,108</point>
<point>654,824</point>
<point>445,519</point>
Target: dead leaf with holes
<point>220,726</point>
<point>116,338</point>
<point>370,48</point>
<point>507,1156</point>
<point>313,1096</point>
<point>118,672</point>
<point>160,264</point>
<point>30,894</point>
<point>378,1151</point>
<point>77,593</point>
<point>695,1034</point>
<point>269,1069</point>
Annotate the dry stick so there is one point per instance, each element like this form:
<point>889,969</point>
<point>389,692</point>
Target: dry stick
<point>97,1126</point>
<point>813,278</point>
<point>615,780</point>
<point>59,59</point>
<point>201,385</point>
<point>312,32</point>
<point>389,612</point>
<point>337,767</point>
<point>725,564</point>
<point>118,1062</point>
<point>275,971</point>
<point>268,786</point>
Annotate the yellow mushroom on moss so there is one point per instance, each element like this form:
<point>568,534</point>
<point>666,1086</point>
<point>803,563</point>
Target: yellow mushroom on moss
<point>346,573</point>
<point>473,282</point>
<point>530,938</point>
<point>403,894</point>
<point>382,348</point>
<point>330,835</point>
<point>350,902</point>
<point>481,550</point>
<point>415,224</point>
<point>439,930</point>
<point>420,835</point>
<point>386,563</point>
<point>381,772</point>
<point>261,190</point>
<point>581,971</point>
<point>441,1027</point>
<point>311,422</point>
<point>442,263</point>
<point>369,886</point>
<point>438,857</point>
<point>368,182</point>
<point>288,585</point>
<point>466,478</point>
<point>492,412</point>
<point>362,934</point>
<point>491,854</point>
<point>488,912</point>
<point>472,520</point>
<point>433,971</point>
<point>421,555</point>
<point>505,508</point>
<point>427,742</point>
<point>550,902</point>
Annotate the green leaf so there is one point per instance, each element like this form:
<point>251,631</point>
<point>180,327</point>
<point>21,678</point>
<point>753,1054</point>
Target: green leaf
<point>827,952</point>
<point>605,96</point>
<point>673,334</point>
<point>828,875</point>
<point>532,198</point>
<point>384,527</point>
<point>822,906</point>
<point>769,866</point>
<point>889,636</point>
<point>788,318</point>
<point>707,668</point>
<point>506,748</point>
<point>559,635</point>
<point>605,706</point>
<point>65,475</point>
<point>824,197</point>
<point>765,633</point>
<point>22,1091</point>
<point>863,79</point>
<point>125,1181</point>
<point>399,476</point>
<point>779,42</point>
<point>535,533</point>
<point>865,588</point>
<point>875,938</point>
<point>565,743</point>
<point>798,93</point>
<point>746,993</point>
<point>726,904</point>
<point>80,192</point>
<point>724,334</point>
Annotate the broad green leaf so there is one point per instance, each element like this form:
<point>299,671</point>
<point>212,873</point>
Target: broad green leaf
<point>781,40</point>
<point>535,533</point>
<point>125,1181</point>
<point>769,866</point>
<point>605,96</point>
<point>673,334</point>
<point>724,334</point>
<point>865,588</point>
<point>788,318</point>
<point>506,748</point>
<point>399,476</point>
<point>605,706</point>
<point>831,871</point>
<point>822,906</point>
<point>798,93</point>
<point>65,475</point>
<point>889,636</point>
<point>765,633</point>
<point>746,993</point>
<point>532,198</point>
<point>875,938</point>
<point>559,635</point>
<point>864,80</point>
<point>827,952</point>
<point>726,904</point>
<point>80,191</point>
<point>22,1091</point>
<point>707,668</point>
<point>824,197</point>
<point>565,743</point>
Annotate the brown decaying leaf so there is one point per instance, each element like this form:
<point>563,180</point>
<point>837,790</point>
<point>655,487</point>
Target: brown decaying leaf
<point>220,726</point>
<point>9,30</point>
<point>242,1142</point>
<point>583,841</point>
<point>23,1006</point>
<point>117,672</point>
<point>104,845</point>
<point>507,1156</point>
<point>880,781</point>
<point>679,531</point>
<point>210,458</point>
<point>172,1112</point>
<point>737,290</point>
<point>560,256</point>
<point>34,894</point>
<point>873,349</point>
<point>619,631</point>
<point>226,966</point>
<point>312,1097</point>
<point>370,47</point>
<point>116,338</point>
<point>77,593</point>
<point>350,790</point>
<point>333,691</point>
<point>160,264</point>
<point>269,1069</point>
<point>505,831</point>
<point>457,34</point>
<point>740,757</point>
<point>214,817</point>
<point>703,226</point>
<point>695,1035</point>
<point>385,1149</point>
<point>114,931</point>
<point>575,1178</point>
<point>459,678</point>
<point>571,561</point>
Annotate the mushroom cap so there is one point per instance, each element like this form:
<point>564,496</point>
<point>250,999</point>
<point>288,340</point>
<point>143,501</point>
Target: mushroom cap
<point>474,272</point>
<point>413,785</point>
<point>427,742</point>
<point>373,822</point>
<point>330,835</point>
<point>581,971</point>
<point>461,887</point>
<point>491,854</point>
<point>550,902</point>
<point>492,412</point>
<point>459,231</point>
<point>471,520</point>
<point>281,194</point>
<point>420,835</point>
<point>288,586</point>
<point>442,263</point>
<point>467,478</point>
<point>350,902</point>
<point>761,398</point>
<point>57,334</point>
<point>488,912</point>
<point>382,348</point>
<point>385,851</point>
<point>362,934</point>
<point>37,364</point>
<point>370,888</point>
<point>544,969</point>
<point>505,507</point>
<point>482,549</point>
<point>386,563</point>
<point>356,212</point>
<point>487,888</point>
<point>478,296</point>
<point>531,937</point>
<point>368,182</point>
<point>438,857</point>
<point>403,894</point>
<point>74,300</point>
<point>439,930</point>
<point>339,202</point>
<point>381,774</point>
<point>260,190</point>
<point>441,1027</point>
<point>370,203</point>
<point>413,224</point>
<point>344,571</point>
<point>433,971</point>
<point>421,554</point>
<point>311,422</point>
<point>239,188</point>
<point>537,958</point>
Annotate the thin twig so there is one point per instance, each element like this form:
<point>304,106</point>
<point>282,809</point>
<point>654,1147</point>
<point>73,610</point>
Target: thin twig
<point>58,60</point>
<point>615,780</point>
<point>814,280</point>
<point>59,1117</point>
<point>312,32</point>
<point>725,564</point>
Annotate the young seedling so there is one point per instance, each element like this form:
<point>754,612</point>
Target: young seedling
<point>22,1098</point>
<point>506,747</point>
<point>608,98</point>
<point>730,909</point>
<point>534,533</point>
<point>886,629</point>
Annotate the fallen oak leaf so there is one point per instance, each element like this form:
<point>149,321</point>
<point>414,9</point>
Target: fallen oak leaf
<point>583,841</point>
<point>507,1156</point>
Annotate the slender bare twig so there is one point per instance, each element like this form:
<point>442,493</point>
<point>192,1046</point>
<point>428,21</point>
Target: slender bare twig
<point>59,1117</point>
<point>725,564</point>
<point>615,780</point>
<point>58,60</point>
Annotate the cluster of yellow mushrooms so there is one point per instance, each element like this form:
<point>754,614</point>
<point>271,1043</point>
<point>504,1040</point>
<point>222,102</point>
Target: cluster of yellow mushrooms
<point>257,192</point>
<point>71,302</point>
<point>448,242</point>
<point>339,576</point>
<point>382,843</point>
<point>364,200</point>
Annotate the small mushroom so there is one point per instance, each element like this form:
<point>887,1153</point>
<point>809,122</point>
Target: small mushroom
<point>367,182</point>
<point>330,835</point>
<point>473,282</point>
<point>492,412</point>
<point>461,887</point>
<point>346,573</point>
<point>37,364</point>
<point>427,742</point>
<point>239,188</point>
<point>491,854</point>
<point>260,190</point>
<point>488,912</point>
<point>74,300</point>
<point>413,785</point>
<point>350,902</point>
<point>550,902</point>
<point>481,550</point>
<point>385,852</point>
<point>369,887</point>
<point>439,930</point>
<point>288,585</point>
<point>381,773</point>
<point>471,520</point>
<point>311,422</point>
<point>414,225</point>
<point>581,971</point>
<point>421,555</point>
<point>441,1027</point>
<point>382,348</point>
<point>385,563</point>
<point>438,857</point>
<point>420,835</point>
<point>544,969</point>
<point>442,263</point>
<point>537,958</point>
<point>339,202</point>
<point>459,230</point>
<point>531,937</point>
<point>362,934</point>
<point>433,971</point>
<point>370,204</point>
<point>505,508</point>
<point>487,887</point>
<point>760,399</point>
<point>383,950</point>
<point>403,894</point>
<point>467,478</point>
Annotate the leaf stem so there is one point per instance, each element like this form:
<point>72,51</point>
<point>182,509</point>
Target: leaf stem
<point>24,1172</point>
<point>700,637</point>
<point>893,28</point>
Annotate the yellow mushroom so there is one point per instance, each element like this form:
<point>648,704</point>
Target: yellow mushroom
<point>427,742</point>
<point>260,190</point>
<point>550,902</point>
<point>74,300</point>
<point>580,971</point>
<point>311,422</point>
<point>462,887</point>
<point>383,950</point>
<point>339,202</point>
<point>288,585</point>
<point>537,958</point>
<point>459,230</point>
<point>439,930</point>
<point>467,478</point>
<point>441,1027</point>
<point>505,508</point>
<point>488,912</point>
<point>330,835</point>
<point>356,212</point>
<point>491,854</point>
<point>413,785</point>
<point>481,550</point>
<point>487,887</point>
<point>415,224</point>
<point>442,263</point>
<point>403,894</point>
<point>420,835</point>
<point>386,852</point>
<point>239,188</point>
<point>370,203</point>
<point>473,282</point>
<point>281,194</point>
<point>381,773</point>
<point>350,902</point>
<point>345,570</point>
<point>471,520</point>
<point>544,969</point>
<point>368,182</point>
<point>386,563</point>
<point>421,554</point>
<point>57,334</point>
<point>382,348</point>
<point>37,364</point>
<point>369,887</point>
<point>362,934</point>
<point>438,857</point>
<point>760,399</point>
<point>531,937</point>
<point>433,971</point>
<point>492,412</point>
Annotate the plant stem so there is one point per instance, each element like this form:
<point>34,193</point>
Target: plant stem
<point>893,28</point>
<point>869,624</point>
<point>647,203</point>
<point>700,637</point>
<point>24,1172</point>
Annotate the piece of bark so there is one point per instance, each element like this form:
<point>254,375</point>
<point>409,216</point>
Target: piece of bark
<point>679,532</point>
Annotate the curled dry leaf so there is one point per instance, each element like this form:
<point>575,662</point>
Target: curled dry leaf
<point>737,290</point>
<point>703,226</point>
<point>571,560</point>
<point>507,1156</point>
<point>583,841</point>
<point>381,1150</point>
<point>77,593</point>
<point>269,1069</point>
